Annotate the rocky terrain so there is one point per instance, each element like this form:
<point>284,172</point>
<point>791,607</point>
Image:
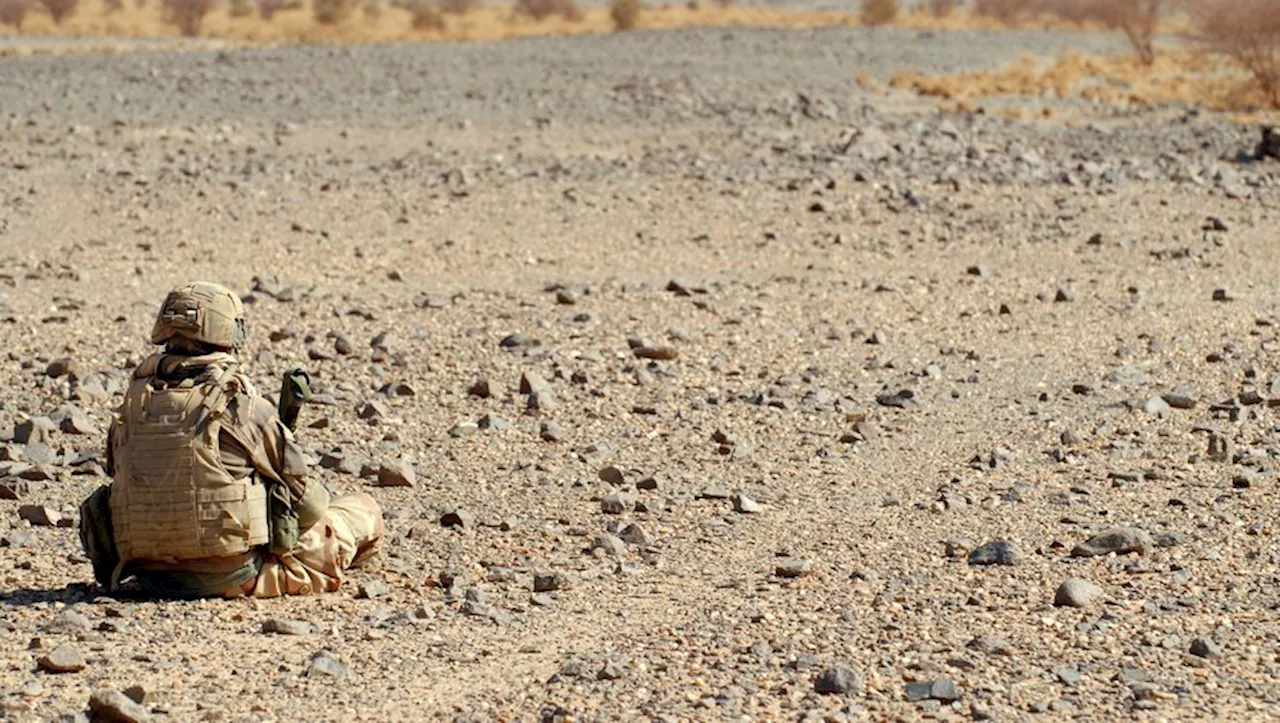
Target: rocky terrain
<point>700,379</point>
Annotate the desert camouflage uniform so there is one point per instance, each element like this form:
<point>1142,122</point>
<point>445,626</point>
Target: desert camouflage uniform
<point>254,449</point>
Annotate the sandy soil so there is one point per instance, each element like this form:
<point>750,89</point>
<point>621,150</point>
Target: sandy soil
<point>900,335</point>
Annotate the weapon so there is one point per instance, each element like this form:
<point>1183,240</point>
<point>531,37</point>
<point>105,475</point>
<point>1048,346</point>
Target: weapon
<point>295,389</point>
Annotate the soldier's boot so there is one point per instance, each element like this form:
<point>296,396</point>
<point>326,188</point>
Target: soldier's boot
<point>363,518</point>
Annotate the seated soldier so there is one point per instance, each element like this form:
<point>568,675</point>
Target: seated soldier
<point>209,493</point>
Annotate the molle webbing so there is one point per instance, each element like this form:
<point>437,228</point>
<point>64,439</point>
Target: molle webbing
<point>172,499</point>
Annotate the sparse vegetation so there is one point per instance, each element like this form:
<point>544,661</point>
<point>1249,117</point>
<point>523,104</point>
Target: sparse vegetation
<point>458,7</point>
<point>13,12</point>
<point>331,12</point>
<point>625,14</point>
<point>1008,12</point>
<point>1248,31</point>
<point>188,15</point>
<point>267,9</point>
<point>59,10</point>
<point>424,15</point>
<point>240,8</point>
<point>543,9</point>
<point>878,12</point>
<point>942,8</point>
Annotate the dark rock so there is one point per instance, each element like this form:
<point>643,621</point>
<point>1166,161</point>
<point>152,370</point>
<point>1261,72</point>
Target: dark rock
<point>458,518</point>
<point>793,568</point>
<point>840,680</point>
<point>480,388</point>
<point>1203,647</point>
<point>663,353</point>
<point>550,581</point>
<point>943,689</point>
<point>1118,540</point>
<point>996,552</point>
<point>276,626</point>
<point>60,367</point>
<point>40,516</point>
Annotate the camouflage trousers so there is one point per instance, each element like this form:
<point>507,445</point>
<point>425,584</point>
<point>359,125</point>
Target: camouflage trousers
<point>347,534</point>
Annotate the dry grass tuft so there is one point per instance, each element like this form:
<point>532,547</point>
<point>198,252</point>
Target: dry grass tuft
<point>878,12</point>
<point>13,13</point>
<point>1248,31</point>
<point>625,14</point>
<point>543,9</point>
<point>1184,77</point>
<point>188,15</point>
<point>942,8</point>
<point>59,10</point>
<point>332,12</point>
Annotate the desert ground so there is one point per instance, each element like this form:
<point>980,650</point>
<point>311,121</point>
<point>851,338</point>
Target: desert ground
<point>836,405</point>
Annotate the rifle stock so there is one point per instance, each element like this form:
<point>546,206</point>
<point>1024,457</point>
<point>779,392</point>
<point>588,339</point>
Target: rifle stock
<point>295,389</point>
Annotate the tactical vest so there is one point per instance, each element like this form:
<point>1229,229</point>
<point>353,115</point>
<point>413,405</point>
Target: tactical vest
<point>172,499</point>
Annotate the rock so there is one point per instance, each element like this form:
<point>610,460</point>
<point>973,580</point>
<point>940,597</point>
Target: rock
<point>532,383</point>
<point>68,622</point>
<point>1077,593</point>
<point>278,626</point>
<point>342,345</point>
<point>480,388</point>
<point>550,432</point>
<point>1222,294</point>
<point>458,518</point>
<point>943,689</point>
<point>324,664</point>
<point>1119,540</point>
<point>1203,647</point>
<point>1156,405</point>
<point>609,545</point>
<point>745,505</point>
<point>373,410</point>
<point>40,516</point>
<point>612,475</point>
<point>541,400</point>
<point>991,645</point>
<point>1064,295</point>
<point>840,680</point>
<point>112,706</point>
<point>663,353</point>
<point>136,693</point>
<point>491,423</point>
<point>1180,399</point>
<point>60,367</point>
<point>793,568</point>
<point>62,659</point>
<point>616,503</point>
<point>996,552</point>
<point>634,534</point>
<point>518,341</point>
<point>35,430</point>
<point>372,589</point>
<point>77,422</point>
<point>398,473</point>
<point>550,581</point>
<point>463,430</point>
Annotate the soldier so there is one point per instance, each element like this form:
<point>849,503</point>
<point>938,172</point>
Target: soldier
<point>209,493</point>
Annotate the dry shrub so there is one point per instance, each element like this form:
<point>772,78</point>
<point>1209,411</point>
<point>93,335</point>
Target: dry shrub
<point>1249,32</point>
<point>372,10</point>
<point>1138,19</point>
<point>458,7</point>
<point>1009,12</point>
<point>625,14</point>
<point>188,15</point>
<point>59,10</point>
<point>331,12</point>
<point>878,12</point>
<point>240,8</point>
<point>424,15</point>
<point>942,8</point>
<point>267,9</point>
<point>541,9</point>
<point>113,6</point>
<point>13,12</point>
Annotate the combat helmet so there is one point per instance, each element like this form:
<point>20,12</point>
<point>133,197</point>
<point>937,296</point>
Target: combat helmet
<point>201,312</point>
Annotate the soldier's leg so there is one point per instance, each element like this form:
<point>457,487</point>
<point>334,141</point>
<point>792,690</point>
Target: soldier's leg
<point>351,528</point>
